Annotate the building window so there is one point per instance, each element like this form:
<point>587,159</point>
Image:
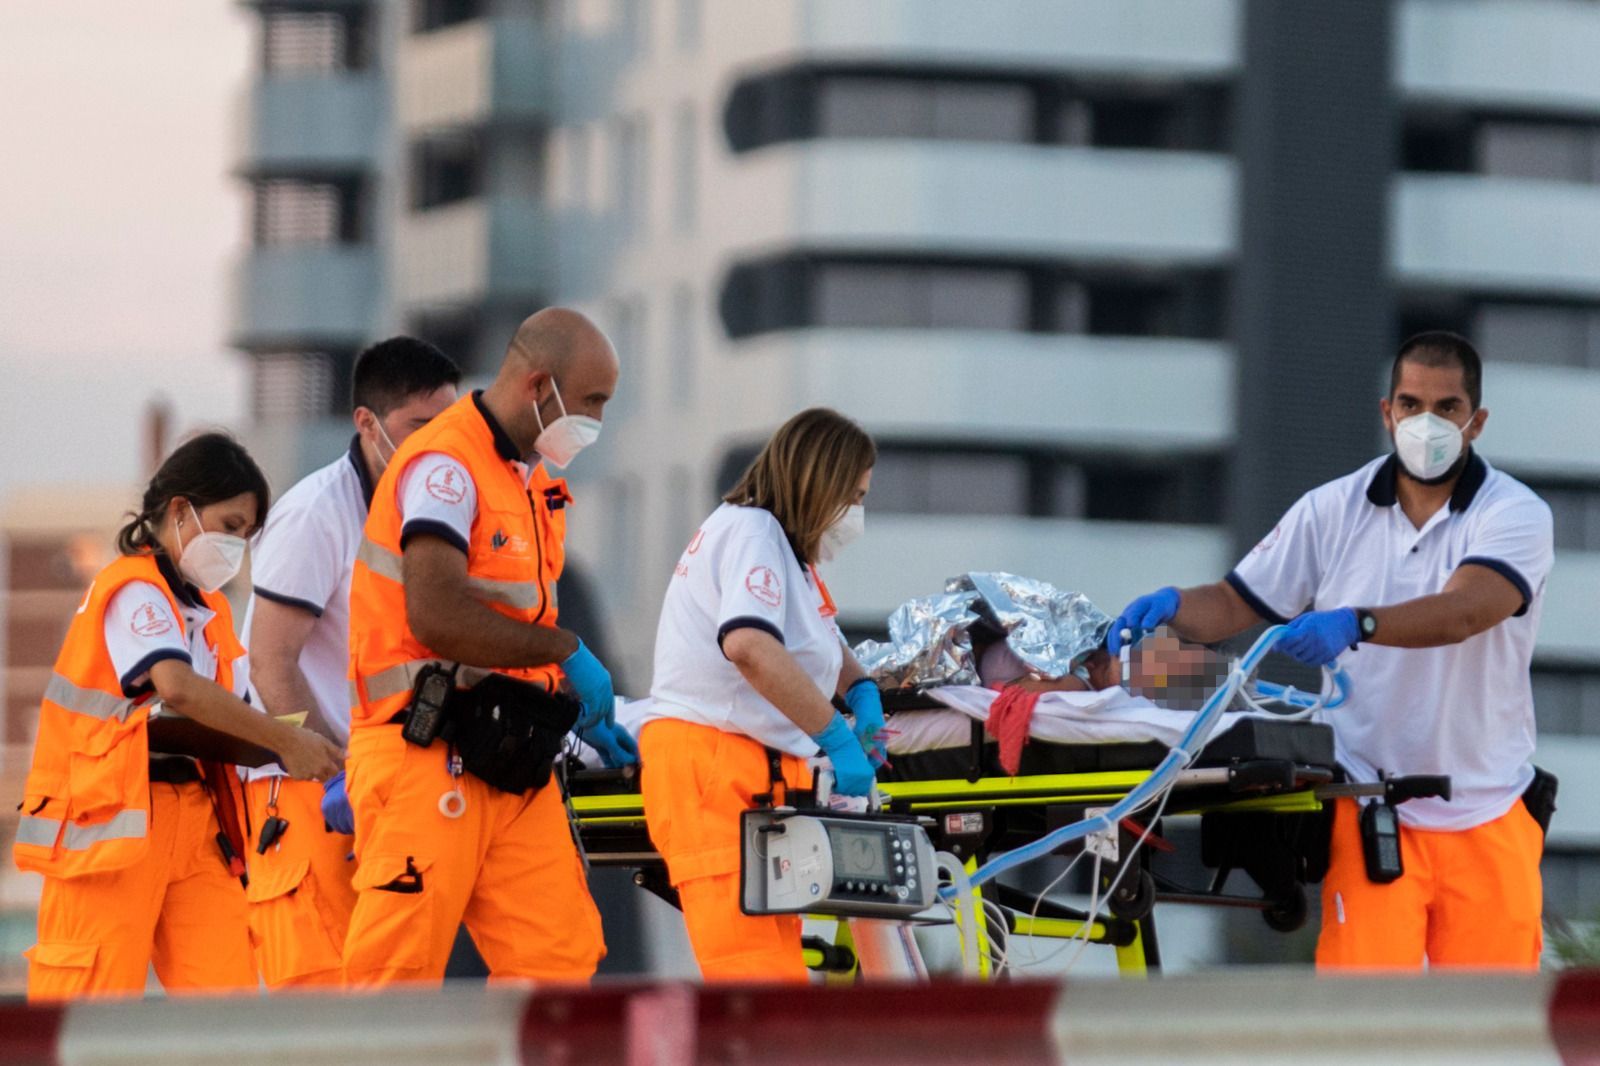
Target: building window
<point>322,42</point>
<point>294,211</point>
<point>300,386</point>
<point>685,169</point>
<point>429,15</point>
<point>458,334</point>
<point>924,109</point>
<point>1566,700</point>
<point>835,291</point>
<point>630,178</point>
<point>1549,334</point>
<point>906,481</point>
<point>1501,147</point>
<point>445,170</point>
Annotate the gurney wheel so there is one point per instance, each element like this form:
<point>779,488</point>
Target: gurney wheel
<point>1288,913</point>
<point>1135,901</point>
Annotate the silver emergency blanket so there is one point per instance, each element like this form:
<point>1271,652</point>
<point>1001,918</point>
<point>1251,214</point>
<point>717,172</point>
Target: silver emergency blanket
<point>930,640</point>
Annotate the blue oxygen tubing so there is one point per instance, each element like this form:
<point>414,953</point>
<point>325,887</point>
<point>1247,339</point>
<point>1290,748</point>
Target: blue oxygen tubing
<point>1255,694</point>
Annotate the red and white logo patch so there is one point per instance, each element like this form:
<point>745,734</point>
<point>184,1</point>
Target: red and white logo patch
<point>1268,541</point>
<point>764,585</point>
<point>699,537</point>
<point>447,485</point>
<point>149,622</point>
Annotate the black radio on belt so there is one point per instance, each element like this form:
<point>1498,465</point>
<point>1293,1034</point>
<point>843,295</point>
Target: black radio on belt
<point>430,703</point>
<point>1380,843</point>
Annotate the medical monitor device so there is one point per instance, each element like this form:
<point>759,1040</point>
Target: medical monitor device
<point>863,867</point>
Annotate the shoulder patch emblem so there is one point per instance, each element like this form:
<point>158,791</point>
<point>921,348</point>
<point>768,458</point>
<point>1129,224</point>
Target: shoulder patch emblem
<point>148,622</point>
<point>764,585</point>
<point>447,485</point>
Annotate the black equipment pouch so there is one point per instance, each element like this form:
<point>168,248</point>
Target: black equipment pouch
<point>508,732</point>
<point>1380,843</point>
<point>431,700</point>
<point>1540,797</point>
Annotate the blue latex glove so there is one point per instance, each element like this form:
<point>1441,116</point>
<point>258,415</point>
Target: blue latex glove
<point>614,743</point>
<point>866,707</point>
<point>1142,615</point>
<point>852,773</point>
<point>591,683</point>
<point>336,812</point>
<point>1317,637</point>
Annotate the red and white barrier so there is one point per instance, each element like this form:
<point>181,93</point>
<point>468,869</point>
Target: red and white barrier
<point>1234,1017</point>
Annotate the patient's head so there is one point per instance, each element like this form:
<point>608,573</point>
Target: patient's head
<point>1161,668</point>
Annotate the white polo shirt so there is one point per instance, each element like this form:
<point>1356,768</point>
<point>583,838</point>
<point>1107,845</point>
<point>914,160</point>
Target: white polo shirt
<point>140,631</point>
<point>303,558</point>
<point>1464,709</point>
<point>739,571</point>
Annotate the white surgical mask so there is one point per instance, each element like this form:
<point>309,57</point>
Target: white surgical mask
<point>561,441</point>
<point>845,529</point>
<point>210,560</point>
<point>1427,444</point>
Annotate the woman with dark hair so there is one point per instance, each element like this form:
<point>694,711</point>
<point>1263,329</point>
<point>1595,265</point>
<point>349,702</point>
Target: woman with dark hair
<point>140,852</point>
<point>748,660</point>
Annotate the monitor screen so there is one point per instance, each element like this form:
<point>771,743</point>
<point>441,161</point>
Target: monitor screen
<point>860,853</point>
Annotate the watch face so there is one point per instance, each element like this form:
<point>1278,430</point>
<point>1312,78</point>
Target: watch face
<point>1369,625</point>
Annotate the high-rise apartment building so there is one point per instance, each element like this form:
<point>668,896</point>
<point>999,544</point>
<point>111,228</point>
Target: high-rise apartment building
<point>1111,281</point>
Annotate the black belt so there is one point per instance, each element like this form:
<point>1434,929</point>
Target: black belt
<point>174,771</point>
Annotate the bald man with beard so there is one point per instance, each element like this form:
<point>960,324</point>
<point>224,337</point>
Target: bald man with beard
<point>453,609</point>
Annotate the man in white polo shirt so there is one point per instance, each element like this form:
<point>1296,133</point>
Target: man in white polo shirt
<point>1424,574</point>
<point>298,624</point>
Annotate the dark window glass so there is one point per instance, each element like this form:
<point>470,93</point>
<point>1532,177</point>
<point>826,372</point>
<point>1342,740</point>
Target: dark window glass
<point>900,296</point>
<point>1551,334</point>
<point>1548,152</point>
<point>1442,146</point>
<point>1571,884</point>
<point>314,41</point>
<point>906,107</point>
<point>436,14</point>
<point>445,170</point>
<point>295,211</point>
<point>300,386</point>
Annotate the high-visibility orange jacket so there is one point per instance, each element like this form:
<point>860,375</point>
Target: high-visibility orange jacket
<point>514,556</point>
<point>86,804</point>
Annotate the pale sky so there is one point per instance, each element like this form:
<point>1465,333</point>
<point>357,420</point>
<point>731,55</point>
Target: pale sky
<point>119,227</point>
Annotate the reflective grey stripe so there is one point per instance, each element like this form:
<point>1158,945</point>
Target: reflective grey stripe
<point>403,678</point>
<point>42,832</point>
<point>519,595</point>
<point>88,701</point>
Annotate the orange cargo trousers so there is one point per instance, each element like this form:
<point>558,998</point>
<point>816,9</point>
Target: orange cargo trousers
<point>1468,898</point>
<point>696,782</point>
<point>506,867</point>
<point>178,908</point>
<point>300,890</point>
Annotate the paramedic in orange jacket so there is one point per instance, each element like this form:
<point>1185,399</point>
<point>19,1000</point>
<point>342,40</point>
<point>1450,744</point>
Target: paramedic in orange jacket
<point>463,546</point>
<point>748,659</point>
<point>128,843</point>
<point>298,622</point>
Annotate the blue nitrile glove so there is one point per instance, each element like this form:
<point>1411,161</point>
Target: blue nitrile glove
<point>852,773</point>
<point>1317,637</point>
<point>866,706</point>
<point>1142,615</point>
<point>615,744</point>
<point>336,812</point>
<point>591,683</point>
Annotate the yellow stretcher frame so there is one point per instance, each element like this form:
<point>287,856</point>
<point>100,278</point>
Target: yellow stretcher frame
<point>623,810</point>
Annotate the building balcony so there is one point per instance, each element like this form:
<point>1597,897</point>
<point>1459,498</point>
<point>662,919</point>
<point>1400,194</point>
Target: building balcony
<point>312,124</point>
<point>488,71</point>
<point>1142,37</point>
<point>1508,236</point>
<point>473,252</point>
<point>1130,394</point>
<point>1535,55</point>
<point>298,296</point>
<point>1156,208</point>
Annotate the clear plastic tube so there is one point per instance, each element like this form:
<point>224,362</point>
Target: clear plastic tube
<point>967,915</point>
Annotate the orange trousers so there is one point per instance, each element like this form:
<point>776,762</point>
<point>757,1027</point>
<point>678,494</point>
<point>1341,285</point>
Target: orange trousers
<point>507,868</point>
<point>1468,898</point>
<point>300,890</point>
<point>697,781</point>
<point>178,908</point>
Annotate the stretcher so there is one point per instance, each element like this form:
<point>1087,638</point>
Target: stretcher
<point>1258,790</point>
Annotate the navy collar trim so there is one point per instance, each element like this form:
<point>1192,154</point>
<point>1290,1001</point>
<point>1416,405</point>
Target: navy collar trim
<point>185,593</point>
<point>1381,491</point>
<point>503,444</point>
<point>364,476</point>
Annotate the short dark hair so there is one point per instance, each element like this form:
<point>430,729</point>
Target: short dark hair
<point>392,371</point>
<point>1440,348</point>
<point>204,470</point>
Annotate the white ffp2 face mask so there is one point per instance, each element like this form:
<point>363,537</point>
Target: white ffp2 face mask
<point>1428,445</point>
<point>561,441</point>
<point>210,560</point>
<point>844,531</point>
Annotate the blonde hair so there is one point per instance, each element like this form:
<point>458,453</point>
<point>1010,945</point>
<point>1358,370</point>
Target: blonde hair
<point>807,474</point>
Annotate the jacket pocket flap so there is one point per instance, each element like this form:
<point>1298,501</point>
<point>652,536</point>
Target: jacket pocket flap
<point>64,954</point>
<point>274,880</point>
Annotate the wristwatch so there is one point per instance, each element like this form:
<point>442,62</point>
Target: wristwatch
<point>1367,623</point>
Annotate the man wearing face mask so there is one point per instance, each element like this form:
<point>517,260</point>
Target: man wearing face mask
<point>453,639</point>
<point>1423,573</point>
<point>298,627</point>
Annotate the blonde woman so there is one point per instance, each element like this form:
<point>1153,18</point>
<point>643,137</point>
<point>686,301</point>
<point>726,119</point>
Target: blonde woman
<point>748,659</point>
